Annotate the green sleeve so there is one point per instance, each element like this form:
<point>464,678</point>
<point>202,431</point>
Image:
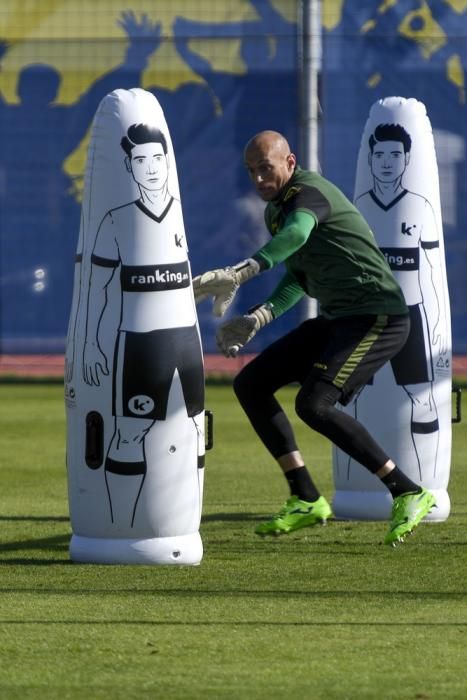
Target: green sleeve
<point>295,232</point>
<point>287,293</point>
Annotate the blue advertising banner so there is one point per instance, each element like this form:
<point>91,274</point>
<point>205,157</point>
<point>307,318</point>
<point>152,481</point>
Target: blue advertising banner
<point>222,71</point>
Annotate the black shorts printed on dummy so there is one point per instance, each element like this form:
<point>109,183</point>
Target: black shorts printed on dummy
<point>145,364</point>
<point>354,348</point>
<point>413,364</point>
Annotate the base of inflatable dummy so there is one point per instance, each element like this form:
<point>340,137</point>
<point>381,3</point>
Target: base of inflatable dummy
<point>372,505</point>
<point>180,550</point>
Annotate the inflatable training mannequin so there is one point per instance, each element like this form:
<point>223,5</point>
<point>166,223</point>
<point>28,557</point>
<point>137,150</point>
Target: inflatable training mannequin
<point>407,406</point>
<point>134,378</point>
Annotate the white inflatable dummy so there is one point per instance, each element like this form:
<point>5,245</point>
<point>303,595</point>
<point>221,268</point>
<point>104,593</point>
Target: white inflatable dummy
<point>407,407</point>
<point>134,384</point>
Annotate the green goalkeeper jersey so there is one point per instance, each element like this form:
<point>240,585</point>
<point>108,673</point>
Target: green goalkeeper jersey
<point>329,252</point>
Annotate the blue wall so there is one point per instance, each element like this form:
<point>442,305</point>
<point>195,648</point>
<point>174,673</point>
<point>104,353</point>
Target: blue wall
<point>409,49</point>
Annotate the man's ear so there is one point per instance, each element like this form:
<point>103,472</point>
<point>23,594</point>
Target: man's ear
<point>128,164</point>
<point>291,161</point>
<point>407,158</point>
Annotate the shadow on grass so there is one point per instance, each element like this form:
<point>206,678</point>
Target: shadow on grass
<point>237,623</point>
<point>249,517</point>
<point>35,518</point>
<point>58,542</point>
<point>239,592</point>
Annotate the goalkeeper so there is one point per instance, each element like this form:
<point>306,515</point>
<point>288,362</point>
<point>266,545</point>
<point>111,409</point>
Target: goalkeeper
<point>330,254</point>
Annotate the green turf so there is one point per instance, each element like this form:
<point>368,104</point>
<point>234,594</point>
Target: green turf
<point>329,613</point>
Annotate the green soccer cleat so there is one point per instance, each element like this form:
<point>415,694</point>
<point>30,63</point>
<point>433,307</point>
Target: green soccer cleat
<point>296,514</point>
<point>407,511</point>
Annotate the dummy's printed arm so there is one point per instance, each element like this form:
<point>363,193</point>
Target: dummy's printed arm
<point>94,360</point>
<point>439,332</point>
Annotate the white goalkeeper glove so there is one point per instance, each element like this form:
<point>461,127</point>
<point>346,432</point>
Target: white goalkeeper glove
<point>222,284</point>
<point>235,334</point>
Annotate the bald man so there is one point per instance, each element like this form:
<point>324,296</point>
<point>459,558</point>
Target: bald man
<point>330,254</point>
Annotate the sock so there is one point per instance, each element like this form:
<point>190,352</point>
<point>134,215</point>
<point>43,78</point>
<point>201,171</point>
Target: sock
<point>301,484</point>
<point>398,483</point>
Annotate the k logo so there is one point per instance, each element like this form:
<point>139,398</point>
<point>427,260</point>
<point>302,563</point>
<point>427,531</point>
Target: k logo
<point>141,405</point>
<point>407,230</point>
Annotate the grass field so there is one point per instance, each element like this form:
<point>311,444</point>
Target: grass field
<point>329,613</point>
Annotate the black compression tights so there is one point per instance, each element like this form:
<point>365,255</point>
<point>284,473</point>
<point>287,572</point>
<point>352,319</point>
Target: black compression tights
<point>315,405</point>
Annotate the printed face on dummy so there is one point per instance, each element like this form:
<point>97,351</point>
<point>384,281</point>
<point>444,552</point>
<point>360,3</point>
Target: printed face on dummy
<point>388,160</point>
<point>269,170</point>
<point>149,166</point>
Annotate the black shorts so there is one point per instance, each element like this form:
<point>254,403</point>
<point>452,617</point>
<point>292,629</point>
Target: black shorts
<point>414,364</point>
<point>345,352</point>
<point>144,368</point>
